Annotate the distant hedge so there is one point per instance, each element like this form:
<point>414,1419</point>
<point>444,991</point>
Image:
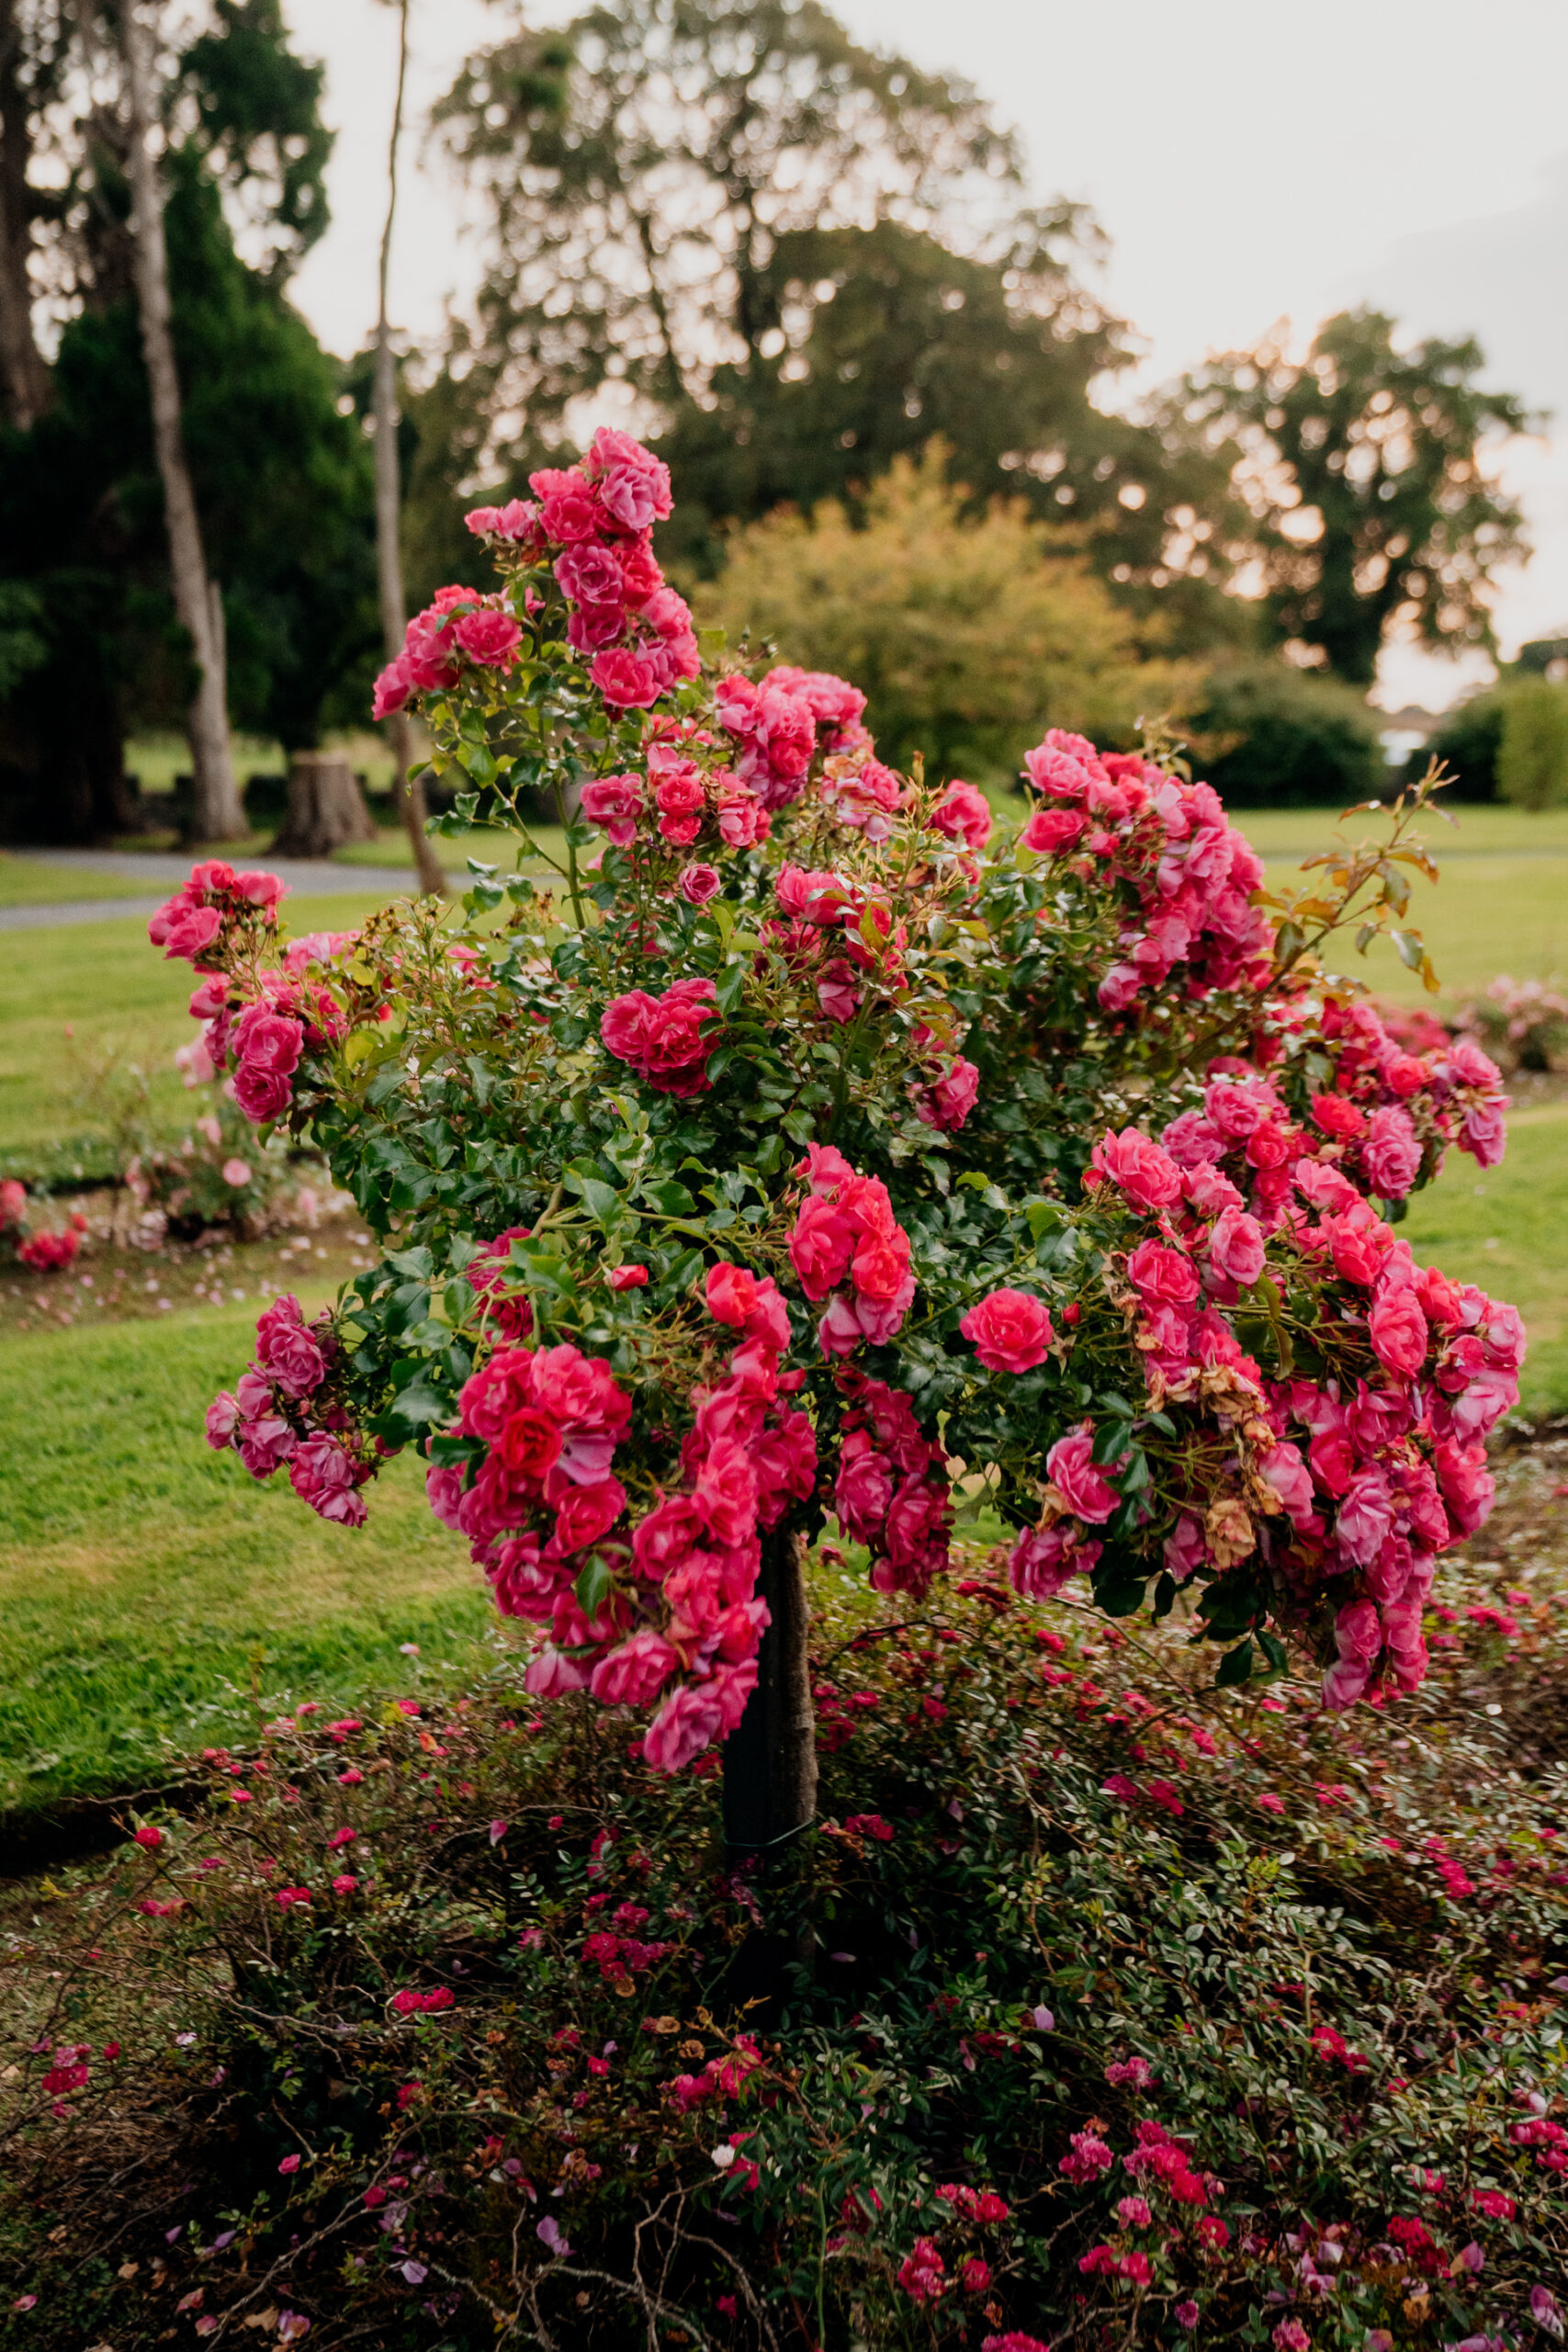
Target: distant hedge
<point>1284,739</point>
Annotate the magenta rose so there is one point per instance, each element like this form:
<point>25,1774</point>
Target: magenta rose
<point>1010,1331</point>
<point>488,637</point>
<point>962,813</point>
<point>393,687</point>
<point>1162,1274</point>
<point>1485,1134</point>
<point>633,1674</point>
<point>222,1419</point>
<point>262,1094</point>
<point>591,575</point>
<point>1051,830</point>
<point>1390,1152</point>
<point>1043,1560</point>
<point>189,931</point>
<point>668,1534</point>
<point>588,1512</point>
<point>1071,1471</point>
<point>287,1352</point>
<point>571,516</point>
<point>689,1719</point>
<point>726,1493</point>
<point>821,1245</point>
<point>1236,1248</point>
<point>697,884</point>
<point>1398,1331</point>
<point>1149,1176</point>
<point>626,680</point>
<point>863,1489</point>
<point>268,1041</point>
<point>614,803</point>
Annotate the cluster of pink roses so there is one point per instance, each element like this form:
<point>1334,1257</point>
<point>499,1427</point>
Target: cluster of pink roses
<point>1386,1097</point>
<point>846,1242</point>
<point>594,523</point>
<point>1373,1474</point>
<point>823,941</point>
<point>279,1414</point>
<point>190,925</point>
<point>664,1038</point>
<point>1384,1110</point>
<point>892,1492</point>
<point>1191,873</point>
<point>680,1595</point>
<point>686,792</point>
<point>458,626</point>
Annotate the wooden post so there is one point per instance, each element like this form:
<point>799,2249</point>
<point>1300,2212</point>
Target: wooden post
<point>769,1758</point>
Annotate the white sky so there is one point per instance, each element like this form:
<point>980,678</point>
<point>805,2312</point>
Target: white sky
<point>1249,161</point>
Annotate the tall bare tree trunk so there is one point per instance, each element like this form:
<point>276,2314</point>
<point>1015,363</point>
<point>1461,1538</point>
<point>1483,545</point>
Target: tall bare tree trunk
<point>408,788</point>
<point>23,379</point>
<point>220,815</point>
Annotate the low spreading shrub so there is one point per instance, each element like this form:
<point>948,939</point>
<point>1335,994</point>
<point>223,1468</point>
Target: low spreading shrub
<point>1523,1024</point>
<point>1097,2009</point>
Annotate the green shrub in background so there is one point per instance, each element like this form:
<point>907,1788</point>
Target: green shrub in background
<point>960,632</point>
<point>1270,736</point>
<point>1467,740</point>
<point>1532,753</point>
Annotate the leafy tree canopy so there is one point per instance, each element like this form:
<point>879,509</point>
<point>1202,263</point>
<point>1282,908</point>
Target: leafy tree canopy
<point>960,628</point>
<point>796,259</point>
<point>1363,470</point>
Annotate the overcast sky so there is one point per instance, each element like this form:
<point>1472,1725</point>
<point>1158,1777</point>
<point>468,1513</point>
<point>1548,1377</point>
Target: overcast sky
<point>1249,162</point>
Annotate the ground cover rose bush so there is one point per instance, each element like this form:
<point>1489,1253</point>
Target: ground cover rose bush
<point>1046,1154</point>
<point>1125,2011</point>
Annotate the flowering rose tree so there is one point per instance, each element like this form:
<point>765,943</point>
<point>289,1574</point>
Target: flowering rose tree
<point>812,1147</point>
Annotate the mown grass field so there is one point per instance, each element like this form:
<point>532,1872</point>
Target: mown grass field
<point>152,1599</point>
<point>155,1601</point>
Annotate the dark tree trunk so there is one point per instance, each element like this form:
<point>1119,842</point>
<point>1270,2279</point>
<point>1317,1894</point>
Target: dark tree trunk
<point>23,377</point>
<point>326,807</point>
<point>769,1758</point>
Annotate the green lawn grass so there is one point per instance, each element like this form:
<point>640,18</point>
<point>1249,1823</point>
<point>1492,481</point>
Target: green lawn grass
<point>1501,903</point>
<point>28,882</point>
<point>78,1001</point>
<point>1506,1229</point>
<point>152,1597</point>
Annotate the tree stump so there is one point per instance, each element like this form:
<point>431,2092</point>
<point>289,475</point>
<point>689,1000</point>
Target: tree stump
<point>326,807</point>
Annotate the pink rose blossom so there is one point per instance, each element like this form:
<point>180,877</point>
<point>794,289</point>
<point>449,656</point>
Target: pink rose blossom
<point>627,680</point>
<point>1236,1248</point>
<point>1391,1153</point>
<point>1149,1176</point>
<point>613,803</point>
<point>964,814</point>
<point>1398,1330</point>
<point>1071,1471</point>
<point>697,884</point>
<point>488,637</point>
<point>1010,1331</point>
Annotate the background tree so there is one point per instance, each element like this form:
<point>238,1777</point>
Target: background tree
<point>34,42</point>
<point>219,815</point>
<point>1364,466</point>
<point>282,480</point>
<point>796,259</point>
<point>961,629</point>
<point>408,788</point>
